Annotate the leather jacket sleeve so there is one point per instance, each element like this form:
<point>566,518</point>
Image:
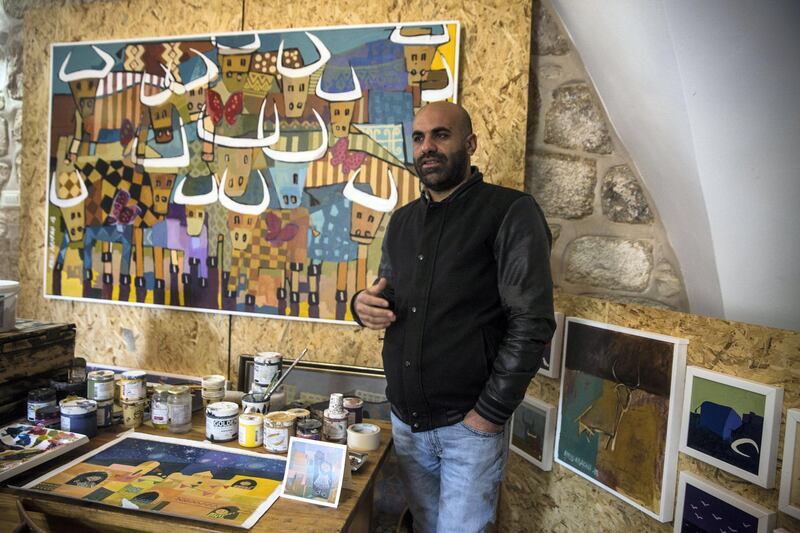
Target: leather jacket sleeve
<point>522,252</point>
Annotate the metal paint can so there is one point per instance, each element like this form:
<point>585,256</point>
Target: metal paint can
<point>100,385</point>
<point>105,412</point>
<point>355,410</point>
<point>267,367</point>
<point>39,398</point>
<point>222,421</point>
<point>278,427</point>
<point>251,432</point>
<point>132,386</point>
<point>79,416</point>
<point>334,426</point>
<point>49,417</point>
<point>309,428</point>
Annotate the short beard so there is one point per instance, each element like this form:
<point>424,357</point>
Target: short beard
<point>454,173</point>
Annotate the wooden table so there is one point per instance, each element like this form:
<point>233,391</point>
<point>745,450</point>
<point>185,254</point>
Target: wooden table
<point>56,514</point>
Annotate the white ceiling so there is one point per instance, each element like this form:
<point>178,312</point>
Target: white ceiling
<point>706,98</point>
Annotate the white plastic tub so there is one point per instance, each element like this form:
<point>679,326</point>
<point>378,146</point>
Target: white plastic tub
<point>8,304</point>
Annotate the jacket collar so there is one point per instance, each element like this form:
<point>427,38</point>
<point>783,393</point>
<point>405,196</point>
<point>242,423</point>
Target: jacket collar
<point>469,184</point>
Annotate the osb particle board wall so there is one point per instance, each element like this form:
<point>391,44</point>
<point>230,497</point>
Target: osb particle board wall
<point>560,501</point>
<point>493,85</point>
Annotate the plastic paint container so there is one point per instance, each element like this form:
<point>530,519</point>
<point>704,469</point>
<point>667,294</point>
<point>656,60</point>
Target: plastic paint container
<point>222,422</point>
<point>255,403</point>
<point>38,398</point>
<point>100,385</point>
<point>309,428</point>
<point>79,416</point>
<point>366,437</point>
<point>132,386</point>
<point>105,412</point>
<point>251,432</point>
<point>49,417</point>
<point>355,409</point>
<point>334,423</point>
<point>133,413</point>
<point>267,367</point>
<point>8,304</point>
<point>278,427</point>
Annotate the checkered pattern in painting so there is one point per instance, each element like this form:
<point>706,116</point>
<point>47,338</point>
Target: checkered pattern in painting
<point>106,179</point>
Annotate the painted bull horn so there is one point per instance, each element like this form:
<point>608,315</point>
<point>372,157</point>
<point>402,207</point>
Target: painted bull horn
<point>178,161</point>
<point>86,73</point>
<point>304,156</point>
<point>435,95</point>
<point>212,72</point>
<point>155,100</point>
<point>308,70</point>
<point>370,201</point>
<point>242,142</point>
<point>200,199</point>
<point>67,202</point>
<point>420,40</point>
<point>231,50</point>
<point>347,96</point>
<point>244,209</point>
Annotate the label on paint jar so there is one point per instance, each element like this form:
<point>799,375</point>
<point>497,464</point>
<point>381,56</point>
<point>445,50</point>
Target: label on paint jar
<point>180,414</point>
<point>105,410</point>
<point>334,428</point>
<point>251,432</point>
<point>103,390</point>
<point>159,416</point>
<point>35,406</point>
<point>222,421</point>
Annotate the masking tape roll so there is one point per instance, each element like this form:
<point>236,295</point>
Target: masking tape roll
<point>364,436</point>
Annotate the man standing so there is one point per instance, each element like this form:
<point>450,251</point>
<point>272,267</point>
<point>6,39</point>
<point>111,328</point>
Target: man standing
<point>465,295</point>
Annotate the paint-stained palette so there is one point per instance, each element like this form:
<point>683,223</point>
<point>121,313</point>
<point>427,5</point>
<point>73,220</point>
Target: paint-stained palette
<point>23,446</point>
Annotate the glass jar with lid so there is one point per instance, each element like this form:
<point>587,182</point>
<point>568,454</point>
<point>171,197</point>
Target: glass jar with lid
<point>179,403</point>
<point>159,407</point>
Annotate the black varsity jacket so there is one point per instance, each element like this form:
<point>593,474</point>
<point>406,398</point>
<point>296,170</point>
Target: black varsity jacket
<point>469,281</point>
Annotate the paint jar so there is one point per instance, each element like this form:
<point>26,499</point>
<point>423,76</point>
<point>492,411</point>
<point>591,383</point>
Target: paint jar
<point>277,402</point>
<point>159,407</point>
<point>251,432</point>
<point>49,417</point>
<point>79,416</point>
<point>299,413</point>
<point>334,421</point>
<point>38,398</point>
<point>255,403</point>
<point>105,413</point>
<point>222,422</point>
<point>100,385</point>
<point>267,368</point>
<point>278,428</point>
<point>309,428</point>
<point>179,403</point>
<point>355,410</point>
<point>132,386</point>
<point>133,413</point>
<point>213,389</point>
<point>255,388</point>
<point>65,389</point>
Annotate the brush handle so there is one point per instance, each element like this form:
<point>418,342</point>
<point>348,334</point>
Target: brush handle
<point>278,383</point>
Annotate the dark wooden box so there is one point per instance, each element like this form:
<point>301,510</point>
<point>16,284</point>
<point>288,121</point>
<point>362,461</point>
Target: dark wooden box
<point>34,348</point>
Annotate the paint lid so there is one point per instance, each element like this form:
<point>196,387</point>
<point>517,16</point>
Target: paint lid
<point>299,413</point>
<point>268,358</point>
<point>335,415</point>
<point>42,394</point>
<point>178,389</point>
<point>162,387</point>
<point>78,407</point>
<point>8,287</point>
<point>222,410</point>
<point>250,419</point>
<point>353,402</point>
<point>47,413</point>
<point>100,375</point>
<point>134,374</point>
<point>309,424</point>
<point>213,381</point>
<point>365,428</point>
<point>254,397</point>
<point>279,419</point>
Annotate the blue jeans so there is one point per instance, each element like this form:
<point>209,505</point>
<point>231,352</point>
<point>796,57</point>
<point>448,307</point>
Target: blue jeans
<point>451,476</point>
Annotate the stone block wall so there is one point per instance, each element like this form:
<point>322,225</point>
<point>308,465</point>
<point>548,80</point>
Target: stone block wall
<point>609,241</point>
<point>10,136</point>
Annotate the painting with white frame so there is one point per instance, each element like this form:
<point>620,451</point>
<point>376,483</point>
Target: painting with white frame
<point>721,424</point>
<point>305,478</point>
<point>633,456</point>
<point>551,358</point>
<point>703,502</point>
<point>789,499</point>
<point>533,432</point>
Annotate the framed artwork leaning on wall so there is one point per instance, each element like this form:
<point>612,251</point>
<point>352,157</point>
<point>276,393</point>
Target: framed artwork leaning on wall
<point>732,423</point>
<point>789,499</point>
<point>551,358</point>
<point>619,411</point>
<point>533,432</point>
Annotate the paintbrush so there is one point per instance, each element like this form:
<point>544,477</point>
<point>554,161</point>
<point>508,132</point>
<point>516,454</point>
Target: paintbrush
<point>277,384</point>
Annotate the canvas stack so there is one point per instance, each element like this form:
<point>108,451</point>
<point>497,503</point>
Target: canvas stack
<point>32,355</point>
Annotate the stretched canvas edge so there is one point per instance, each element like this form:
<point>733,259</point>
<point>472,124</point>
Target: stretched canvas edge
<point>546,464</point>
<point>787,466</point>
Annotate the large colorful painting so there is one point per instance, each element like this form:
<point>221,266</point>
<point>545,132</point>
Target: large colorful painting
<point>176,477</point>
<point>247,173</point>
<point>619,412</point>
<point>732,423</point>
<point>704,507</point>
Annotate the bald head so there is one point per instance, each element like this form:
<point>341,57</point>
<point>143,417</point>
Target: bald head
<point>443,144</point>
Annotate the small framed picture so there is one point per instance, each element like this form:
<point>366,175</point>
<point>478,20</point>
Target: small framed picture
<point>704,506</point>
<point>732,423</point>
<point>533,431</point>
<point>551,357</point>
<point>314,471</point>
<point>789,499</point>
